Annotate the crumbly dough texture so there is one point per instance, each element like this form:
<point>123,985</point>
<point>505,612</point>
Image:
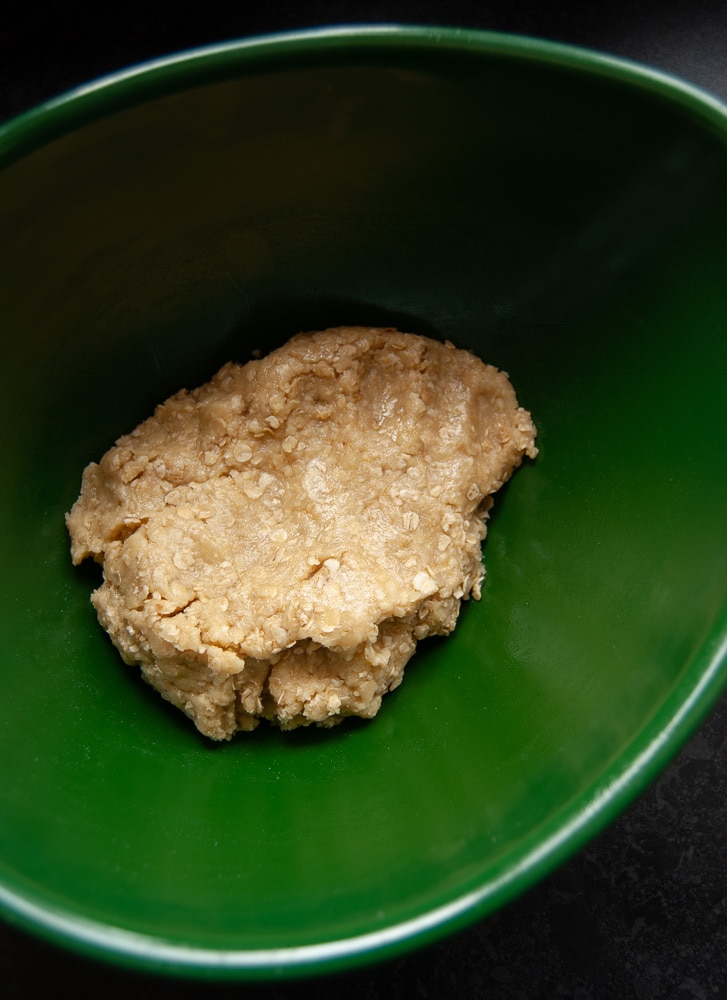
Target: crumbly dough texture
<point>275,542</point>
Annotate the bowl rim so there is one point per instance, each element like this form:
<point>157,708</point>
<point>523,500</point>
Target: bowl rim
<point>697,690</point>
<point>107,93</point>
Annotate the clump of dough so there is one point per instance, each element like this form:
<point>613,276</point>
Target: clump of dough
<point>275,542</point>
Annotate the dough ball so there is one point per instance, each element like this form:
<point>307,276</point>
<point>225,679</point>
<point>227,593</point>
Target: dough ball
<point>276,542</point>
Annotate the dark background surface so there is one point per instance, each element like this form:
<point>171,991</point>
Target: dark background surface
<point>641,912</point>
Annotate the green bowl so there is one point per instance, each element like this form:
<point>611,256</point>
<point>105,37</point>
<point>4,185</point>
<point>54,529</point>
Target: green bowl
<point>561,213</point>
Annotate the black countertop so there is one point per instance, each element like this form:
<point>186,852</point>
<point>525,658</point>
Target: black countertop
<point>642,911</point>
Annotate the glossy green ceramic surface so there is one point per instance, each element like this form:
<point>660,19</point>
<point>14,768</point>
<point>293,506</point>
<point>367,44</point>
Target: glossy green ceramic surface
<point>562,214</point>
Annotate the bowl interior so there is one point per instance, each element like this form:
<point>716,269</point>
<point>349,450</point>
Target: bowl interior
<point>563,218</point>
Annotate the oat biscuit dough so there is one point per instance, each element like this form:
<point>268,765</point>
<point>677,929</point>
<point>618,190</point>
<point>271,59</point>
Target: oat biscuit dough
<point>276,542</point>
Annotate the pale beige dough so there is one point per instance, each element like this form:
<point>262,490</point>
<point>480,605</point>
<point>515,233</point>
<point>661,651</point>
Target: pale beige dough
<point>275,542</point>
